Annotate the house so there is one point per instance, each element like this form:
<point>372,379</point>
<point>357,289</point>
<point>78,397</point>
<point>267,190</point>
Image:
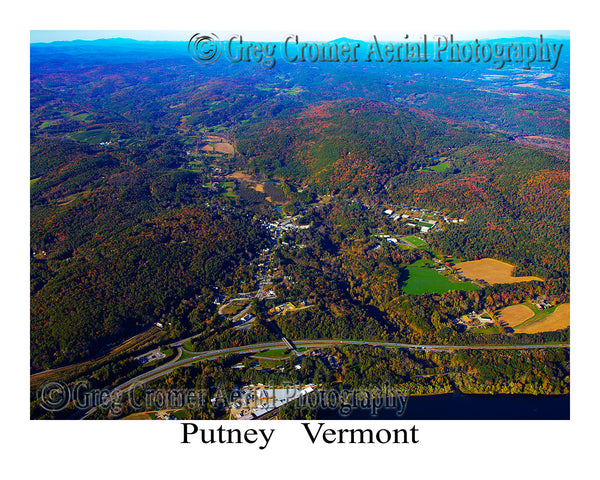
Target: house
<point>388,212</point>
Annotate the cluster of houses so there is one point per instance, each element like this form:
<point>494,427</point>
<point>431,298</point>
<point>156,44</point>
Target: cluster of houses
<point>542,304</point>
<point>389,238</point>
<point>445,266</point>
<point>416,217</point>
<point>284,307</point>
<point>424,225</point>
<point>254,365</point>
<point>474,320</point>
<point>286,224</point>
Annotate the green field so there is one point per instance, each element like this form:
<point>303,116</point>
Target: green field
<point>81,117</point>
<point>453,260</point>
<point>442,167</point>
<point>416,241</point>
<point>425,280</point>
<point>423,224</point>
<point>33,180</point>
<point>230,189</point>
<point>94,136</point>
<point>422,262</point>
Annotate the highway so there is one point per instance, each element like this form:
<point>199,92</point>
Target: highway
<point>163,370</point>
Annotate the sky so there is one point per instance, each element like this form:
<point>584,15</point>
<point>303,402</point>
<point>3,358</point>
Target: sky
<point>275,35</point>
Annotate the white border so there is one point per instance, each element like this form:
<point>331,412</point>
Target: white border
<point>97,449</point>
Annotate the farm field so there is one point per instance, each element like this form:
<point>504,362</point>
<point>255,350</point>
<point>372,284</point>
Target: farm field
<point>217,144</point>
<point>92,136</point>
<point>242,176</point>
<point>223,148</point>
<point>425,280</point>
<point>548,320</point>
<point>515,315</point>
<point>81,117</point>
<point>492,271</point>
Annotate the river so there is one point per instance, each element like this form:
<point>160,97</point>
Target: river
<point>458,406</point>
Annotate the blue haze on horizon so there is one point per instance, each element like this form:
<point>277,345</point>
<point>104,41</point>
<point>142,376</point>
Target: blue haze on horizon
<point>45,36</point>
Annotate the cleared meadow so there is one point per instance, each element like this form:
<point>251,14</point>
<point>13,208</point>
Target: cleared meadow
<point>515,315</point>
<point>492,271</point>
<point>557,320</point>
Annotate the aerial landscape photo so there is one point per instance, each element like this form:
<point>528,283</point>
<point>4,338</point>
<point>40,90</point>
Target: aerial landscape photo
<point>230,227</point>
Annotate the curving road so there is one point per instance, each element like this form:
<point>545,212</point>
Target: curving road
<point>212,354</point>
